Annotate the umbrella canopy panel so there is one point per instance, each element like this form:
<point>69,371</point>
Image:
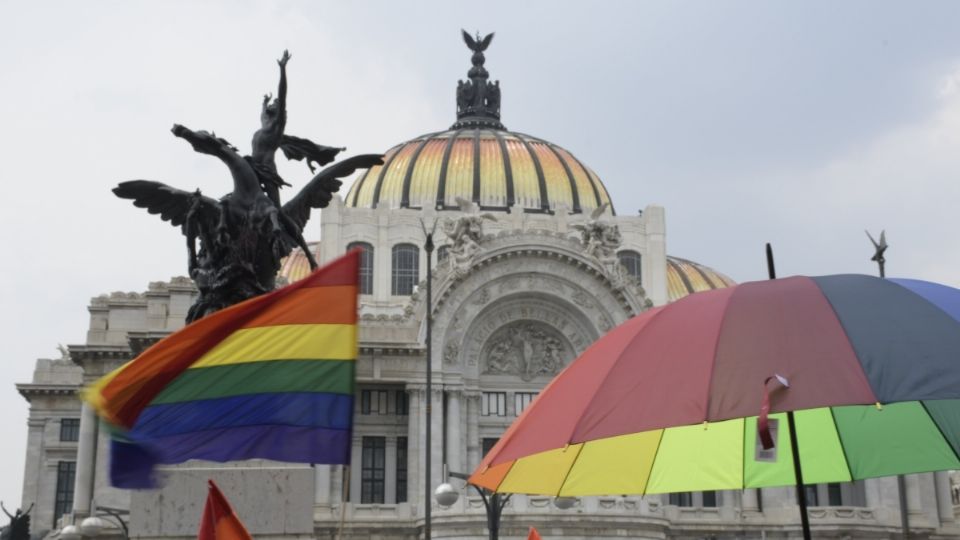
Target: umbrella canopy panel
<point>667,401</point>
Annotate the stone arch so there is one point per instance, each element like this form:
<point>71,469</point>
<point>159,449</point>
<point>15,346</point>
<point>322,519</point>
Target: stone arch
<point>548,292</point>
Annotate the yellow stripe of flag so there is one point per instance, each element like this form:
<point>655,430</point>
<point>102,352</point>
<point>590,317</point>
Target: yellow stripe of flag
<point>287,342</point>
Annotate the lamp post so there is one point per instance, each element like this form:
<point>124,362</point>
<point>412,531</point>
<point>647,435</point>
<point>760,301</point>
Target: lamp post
<point>493,502</point>
<point>428,247</point>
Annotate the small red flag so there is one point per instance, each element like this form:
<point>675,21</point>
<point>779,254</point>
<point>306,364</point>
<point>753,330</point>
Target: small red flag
<point>534,535</point>
<point>219,521</point>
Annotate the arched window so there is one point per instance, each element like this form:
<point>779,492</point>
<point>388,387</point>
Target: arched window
<point>366,266</point>
<point>406,269</point>
<point>631,261</point>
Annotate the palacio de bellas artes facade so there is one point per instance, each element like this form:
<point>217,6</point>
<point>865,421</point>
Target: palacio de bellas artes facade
<point>532,265</point>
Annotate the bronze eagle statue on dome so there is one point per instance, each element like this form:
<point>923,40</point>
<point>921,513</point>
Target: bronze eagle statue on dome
<point>244,235</point>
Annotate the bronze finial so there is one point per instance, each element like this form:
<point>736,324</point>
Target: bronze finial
<point>478,100</point>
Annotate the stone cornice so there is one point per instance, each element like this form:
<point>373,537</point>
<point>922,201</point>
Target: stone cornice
<point>29,390</point>
<point>141,341</point>
<point>392,350</point>
<point>81,353</point>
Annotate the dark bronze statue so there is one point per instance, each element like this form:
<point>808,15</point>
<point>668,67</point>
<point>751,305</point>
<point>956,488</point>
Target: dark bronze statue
<point>19,528</point>
<point>244,235</point>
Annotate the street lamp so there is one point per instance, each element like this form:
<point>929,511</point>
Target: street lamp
<point>70,532</point>
<point>93,526</point>
<point>493,502</point>
<point>428,247</point>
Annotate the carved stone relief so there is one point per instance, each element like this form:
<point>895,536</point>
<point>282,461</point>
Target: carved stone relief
<point>451,353</point>
<point>527,349</point>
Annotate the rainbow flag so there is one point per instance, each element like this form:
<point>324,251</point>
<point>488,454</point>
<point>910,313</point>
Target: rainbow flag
<point>219,521</point>
<point>271,378</point>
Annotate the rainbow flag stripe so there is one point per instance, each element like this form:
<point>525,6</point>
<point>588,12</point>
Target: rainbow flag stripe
<point>271,378</point>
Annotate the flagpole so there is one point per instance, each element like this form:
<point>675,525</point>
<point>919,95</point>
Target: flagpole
<point>344,498</point>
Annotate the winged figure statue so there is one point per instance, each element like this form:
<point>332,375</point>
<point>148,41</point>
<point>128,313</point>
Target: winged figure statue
<point>477,45</point>
<point>600,239</point>
<point>235,243</point>
<point>879,249</point>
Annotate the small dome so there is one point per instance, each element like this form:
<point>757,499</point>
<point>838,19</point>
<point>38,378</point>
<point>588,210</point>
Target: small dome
<point>686,277</point>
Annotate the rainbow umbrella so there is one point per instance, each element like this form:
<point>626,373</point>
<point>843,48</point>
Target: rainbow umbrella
<point>669,401</point>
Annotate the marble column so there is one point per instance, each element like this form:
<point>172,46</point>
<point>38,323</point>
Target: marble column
<point>86,461</point>
<point>415,446</point>
<point>336,483</point>
<point>390,470</point>
<point>34,466</point>
<point>941,481</point>
<point>436,460</point>
<point>473,429</point>
<point>750,501</point>
<point>454,451</point>
<point>914,506</point>
<point>321,495</point>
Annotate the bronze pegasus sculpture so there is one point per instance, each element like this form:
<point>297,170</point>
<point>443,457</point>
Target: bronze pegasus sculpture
<point>244,235</point>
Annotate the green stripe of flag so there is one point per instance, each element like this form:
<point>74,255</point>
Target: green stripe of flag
<point>333,376</point>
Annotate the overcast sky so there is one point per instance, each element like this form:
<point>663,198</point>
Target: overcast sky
<point>796,123</point>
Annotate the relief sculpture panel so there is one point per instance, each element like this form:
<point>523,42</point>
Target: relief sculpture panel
<point>526,348</point>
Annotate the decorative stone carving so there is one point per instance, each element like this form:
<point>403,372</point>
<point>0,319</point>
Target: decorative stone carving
<point>604,324</point>
<point>601,239</point>
<point>528,349</point>
<point>466,234</point>
<point>451,353</point>
<point>582,299</point>
<point>482,297</point>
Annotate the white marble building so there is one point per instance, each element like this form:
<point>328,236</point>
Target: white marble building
<point>534,265</point>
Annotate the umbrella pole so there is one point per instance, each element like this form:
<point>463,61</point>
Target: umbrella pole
<point>801,492</point>
<point>794,447</point>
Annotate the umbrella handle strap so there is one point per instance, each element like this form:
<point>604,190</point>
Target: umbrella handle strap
<point>763,421</point>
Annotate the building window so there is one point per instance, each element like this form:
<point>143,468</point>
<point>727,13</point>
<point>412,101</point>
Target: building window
<point>702,499</point>
<point>493,404</point>
<point>837,494</point>
<point>406,269</point>
<point>442,253</point>
<point>70,429</point>
<point>373,402</point>
<point>373,470</point>
<point>521,400</point>
<point>366,266</point>
<point>487,444</point>
<point>631,261</point>
<point>401,469</point>
<point>403,403</point>
<point>66,472</point>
